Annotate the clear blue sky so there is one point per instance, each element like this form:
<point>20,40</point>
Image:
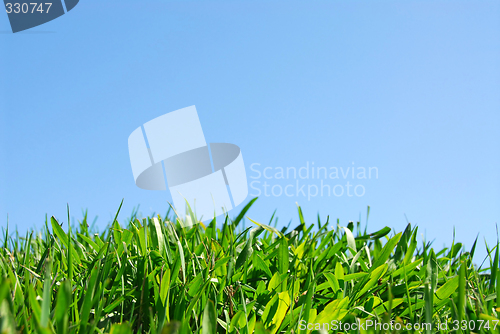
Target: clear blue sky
<point>409,87</point>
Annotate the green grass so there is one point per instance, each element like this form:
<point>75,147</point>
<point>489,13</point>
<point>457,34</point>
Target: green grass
<point>157,275</point>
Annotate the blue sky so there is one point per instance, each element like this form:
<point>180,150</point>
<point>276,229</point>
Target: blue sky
<point>408,87</point>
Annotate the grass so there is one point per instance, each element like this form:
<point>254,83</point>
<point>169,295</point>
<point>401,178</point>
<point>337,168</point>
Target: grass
<point>157,275</point>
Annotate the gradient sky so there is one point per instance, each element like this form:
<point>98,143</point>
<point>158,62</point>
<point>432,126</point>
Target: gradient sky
<point>409,87</point>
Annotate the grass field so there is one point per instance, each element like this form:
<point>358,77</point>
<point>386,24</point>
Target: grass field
<point>157,275</point>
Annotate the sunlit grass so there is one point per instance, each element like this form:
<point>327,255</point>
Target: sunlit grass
<point>156,275</point>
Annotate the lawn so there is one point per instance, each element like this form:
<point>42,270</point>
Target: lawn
<point>236,275</point>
